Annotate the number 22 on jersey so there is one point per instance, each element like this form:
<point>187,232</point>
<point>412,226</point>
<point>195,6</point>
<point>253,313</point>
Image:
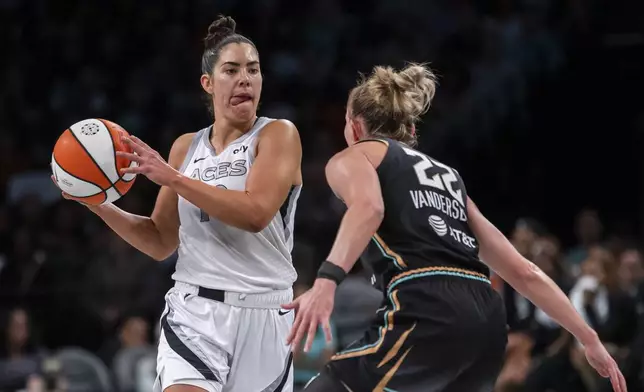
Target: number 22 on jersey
<point>444,182</point>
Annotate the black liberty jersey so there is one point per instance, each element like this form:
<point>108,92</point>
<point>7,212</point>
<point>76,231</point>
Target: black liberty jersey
<point>425,229</point>
<point>426,336</point>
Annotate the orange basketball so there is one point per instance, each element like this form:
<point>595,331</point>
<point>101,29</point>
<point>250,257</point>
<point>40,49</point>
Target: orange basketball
<point>85,164</point>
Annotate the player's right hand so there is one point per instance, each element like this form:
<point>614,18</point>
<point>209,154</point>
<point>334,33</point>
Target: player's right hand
<point>605,365</point>
<point>312,309</point>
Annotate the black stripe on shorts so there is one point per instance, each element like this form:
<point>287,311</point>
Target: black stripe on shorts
<point>184,352</point>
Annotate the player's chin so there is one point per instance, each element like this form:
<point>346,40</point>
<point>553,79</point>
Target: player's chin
<point>244,111</point>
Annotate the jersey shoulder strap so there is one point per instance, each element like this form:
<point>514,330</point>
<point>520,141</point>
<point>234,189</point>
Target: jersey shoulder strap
<point>193,146</point>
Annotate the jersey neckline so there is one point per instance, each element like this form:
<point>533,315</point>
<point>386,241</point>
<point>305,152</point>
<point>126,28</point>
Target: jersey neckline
<point>211,148</point>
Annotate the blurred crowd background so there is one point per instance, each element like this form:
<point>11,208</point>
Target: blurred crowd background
<point>539,106</point>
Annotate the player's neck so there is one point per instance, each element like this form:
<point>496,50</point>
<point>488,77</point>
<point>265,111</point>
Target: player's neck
<point>225,132</point>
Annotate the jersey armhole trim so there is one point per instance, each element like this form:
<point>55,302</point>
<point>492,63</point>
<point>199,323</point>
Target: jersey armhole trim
<point>255,132</point>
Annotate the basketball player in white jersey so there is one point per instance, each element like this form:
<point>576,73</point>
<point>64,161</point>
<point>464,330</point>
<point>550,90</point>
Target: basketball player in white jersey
<point>227,201</point>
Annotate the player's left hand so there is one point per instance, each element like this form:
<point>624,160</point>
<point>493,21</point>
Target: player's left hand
<point>148,162</point>
<point>312,309</point>
<point>599,358</point>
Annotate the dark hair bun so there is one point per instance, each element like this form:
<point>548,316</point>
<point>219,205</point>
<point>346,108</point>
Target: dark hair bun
<point>222,27</point>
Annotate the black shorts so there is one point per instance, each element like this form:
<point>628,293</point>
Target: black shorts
<point>438,333</point>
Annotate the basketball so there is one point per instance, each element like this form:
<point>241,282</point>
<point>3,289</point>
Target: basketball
<point>85,165</point>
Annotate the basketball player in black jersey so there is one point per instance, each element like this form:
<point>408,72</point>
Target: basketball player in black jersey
<point>442,326</point>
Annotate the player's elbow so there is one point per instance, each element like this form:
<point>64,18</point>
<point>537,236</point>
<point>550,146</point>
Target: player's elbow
<point>258,220</point>
<point>161,240</point>
<point>161,253</point>
<point>378,212</point>
<point>158,256</point>
<point>373,210</point>
<point>532,272</point>
<point>527,273</point>
<point>256,225</point>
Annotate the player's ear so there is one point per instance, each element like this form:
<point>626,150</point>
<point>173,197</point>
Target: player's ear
<point>206,84</point>
<point>358,130</point>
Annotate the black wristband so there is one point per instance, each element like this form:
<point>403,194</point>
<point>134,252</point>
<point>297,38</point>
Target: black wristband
<point>331,271</point>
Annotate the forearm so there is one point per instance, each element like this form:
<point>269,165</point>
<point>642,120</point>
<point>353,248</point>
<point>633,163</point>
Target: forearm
<point>234,208</point>
<point>358,225</point>
<point>536,286</point>
<point>526,278</point>
<point>138,231</point>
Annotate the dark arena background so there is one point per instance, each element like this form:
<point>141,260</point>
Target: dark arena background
<point>539,106</point>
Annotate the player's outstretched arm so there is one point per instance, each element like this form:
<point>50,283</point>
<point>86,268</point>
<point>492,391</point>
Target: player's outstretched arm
<point>352,176</point>
<point>157,235</point>
<point>529,280</point>
<point>275,170</point>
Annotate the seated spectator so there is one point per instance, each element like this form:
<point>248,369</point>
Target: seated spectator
<point>632,281</point>
<point>589,231</point>
<point>20,358</point>
<point>520,314</point>
<point>132,331</point>
<point>604,305</point>
<point>631,270</point>
<point>548,336</point>
<point>550,366</point>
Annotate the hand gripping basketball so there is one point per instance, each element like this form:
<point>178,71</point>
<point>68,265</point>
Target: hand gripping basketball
<point>148,162</point>
<point>66,195</point>
<point>84,164</point>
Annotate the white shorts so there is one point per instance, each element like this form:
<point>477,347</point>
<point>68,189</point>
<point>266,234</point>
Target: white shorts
<point>238,345</point>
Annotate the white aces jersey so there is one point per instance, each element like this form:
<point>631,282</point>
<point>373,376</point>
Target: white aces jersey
<point>218,256</point>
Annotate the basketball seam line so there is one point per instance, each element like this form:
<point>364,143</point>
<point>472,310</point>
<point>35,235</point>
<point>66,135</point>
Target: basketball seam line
<point>96,163</point>
<point>116,167</point>
<point>78,178</point>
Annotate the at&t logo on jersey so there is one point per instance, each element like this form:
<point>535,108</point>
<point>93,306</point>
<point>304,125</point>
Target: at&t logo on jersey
<point>438,224</point>
<point>441,228</point>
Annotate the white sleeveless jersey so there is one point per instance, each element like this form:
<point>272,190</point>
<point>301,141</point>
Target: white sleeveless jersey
<point>215,255</point>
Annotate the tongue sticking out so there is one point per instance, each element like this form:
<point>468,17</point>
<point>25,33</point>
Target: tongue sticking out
<point>239,99</point>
